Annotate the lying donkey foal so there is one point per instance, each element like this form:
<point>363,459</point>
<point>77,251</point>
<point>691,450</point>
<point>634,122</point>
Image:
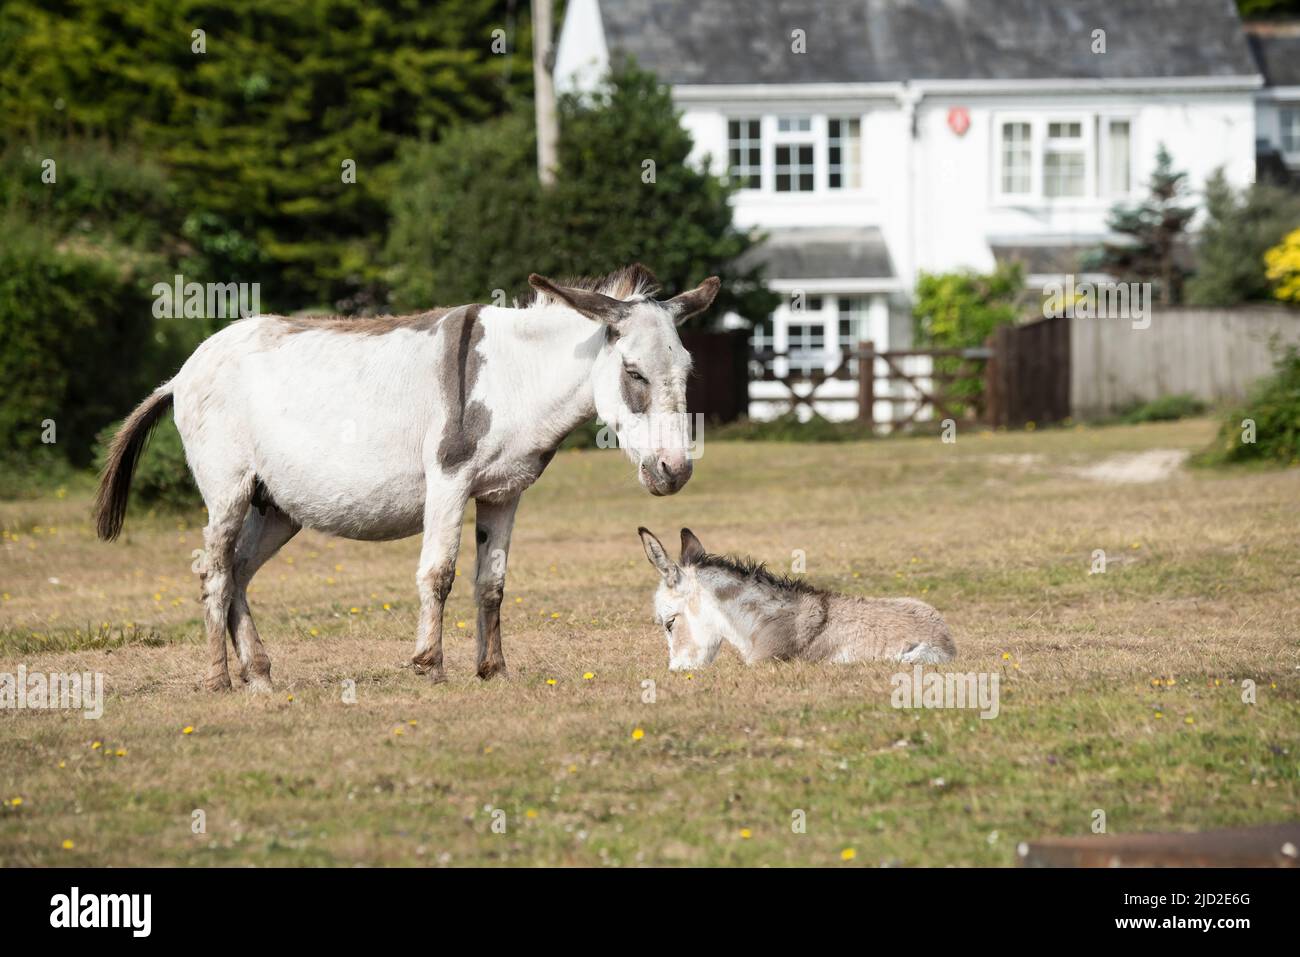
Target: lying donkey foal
<point>704,599</point>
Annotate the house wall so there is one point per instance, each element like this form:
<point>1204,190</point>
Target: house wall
<point>933,196</point>
<point>1213,354</point>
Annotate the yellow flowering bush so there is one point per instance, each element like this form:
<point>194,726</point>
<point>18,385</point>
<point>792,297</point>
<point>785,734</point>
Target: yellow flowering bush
<point>1282,266</point>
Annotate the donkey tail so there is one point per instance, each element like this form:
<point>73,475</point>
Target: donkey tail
<point>115,482</point>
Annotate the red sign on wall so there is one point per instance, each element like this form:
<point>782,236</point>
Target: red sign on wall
<point>959,120</point>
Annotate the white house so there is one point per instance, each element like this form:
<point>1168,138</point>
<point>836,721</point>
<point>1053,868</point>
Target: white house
<point>1277,51</point>
<point>875,139</point>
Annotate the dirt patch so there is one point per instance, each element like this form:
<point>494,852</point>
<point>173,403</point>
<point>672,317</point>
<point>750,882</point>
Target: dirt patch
<point>1153,465</point>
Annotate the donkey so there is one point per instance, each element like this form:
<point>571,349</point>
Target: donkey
<point>705,599</point>
<point>380,428</point>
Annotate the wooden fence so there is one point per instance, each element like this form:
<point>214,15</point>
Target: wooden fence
<point>915,391</point>
<point>1213,354</point>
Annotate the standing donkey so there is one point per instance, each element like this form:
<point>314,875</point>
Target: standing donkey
<point>380,428</point>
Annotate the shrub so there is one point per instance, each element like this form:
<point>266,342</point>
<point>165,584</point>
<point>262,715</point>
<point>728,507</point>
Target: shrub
<point>75,344</point>
<point>1167,408</point>
<point>1240,227</point>
<point>1283,262</point>
<point>1273,410</point>
<point>471,217</point>
<point>960,310</point>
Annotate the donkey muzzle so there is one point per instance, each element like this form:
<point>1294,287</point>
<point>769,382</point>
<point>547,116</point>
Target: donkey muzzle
<point>664,472</point>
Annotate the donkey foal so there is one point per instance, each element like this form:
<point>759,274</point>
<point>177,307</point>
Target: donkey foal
<point>705,599</point>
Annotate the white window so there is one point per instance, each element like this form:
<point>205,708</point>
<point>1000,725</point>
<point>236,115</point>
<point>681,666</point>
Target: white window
<point>1017,153</point>
<point>745,153</point>
<point>1065,160</point>
<point>793,155</point>
<point>761,341</point>
<point>1116,157</point>
<point>806,345</point>
<point>1288,119</point>
<point>843,153</point>
<point>1050,158</point>
<point>852,326</point>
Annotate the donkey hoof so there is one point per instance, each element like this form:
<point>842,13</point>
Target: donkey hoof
<point>219,682</point>
<point>492,669</point>
<point>258,684</point>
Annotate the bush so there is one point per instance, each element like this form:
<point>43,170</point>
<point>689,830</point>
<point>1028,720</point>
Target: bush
<point>1274,411</point>
<point>788,428</point>
<point>1232,245</point>
<point>76,344</point>
<point>1283,262</point>
<point>162,476</point>
<point>960,310</point>
<point>471,217</point>
<point>1167,408</point>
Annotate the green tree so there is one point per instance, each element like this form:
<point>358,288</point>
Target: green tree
<point>256,116</point>
<point>471,218</point>
<point>1240,227</point>
<point>1153,231</point>
<point>960,310</point>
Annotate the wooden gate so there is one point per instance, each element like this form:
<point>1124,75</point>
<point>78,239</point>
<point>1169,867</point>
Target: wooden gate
<point>1028,377</point>
<point>915,394</point>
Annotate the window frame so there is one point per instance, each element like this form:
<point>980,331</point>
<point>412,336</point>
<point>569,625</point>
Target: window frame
<point>816,136</point>
<point>1094,140</point>
<point>1285,111</point>
<point>748,145</point>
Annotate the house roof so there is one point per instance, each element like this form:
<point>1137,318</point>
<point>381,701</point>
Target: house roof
<point>1276,46</point>
<point>822,253</point>
<point>1044,258</point>
<point>862,41</point>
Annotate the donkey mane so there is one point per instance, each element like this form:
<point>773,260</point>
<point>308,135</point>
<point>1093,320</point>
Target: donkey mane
<point>365,325</point>
<point>756,572</point>
<point>629,283</point>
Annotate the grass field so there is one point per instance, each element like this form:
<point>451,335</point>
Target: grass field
<point>1120,691</point>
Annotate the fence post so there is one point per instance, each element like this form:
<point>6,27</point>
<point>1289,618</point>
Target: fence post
<point>867,382</point>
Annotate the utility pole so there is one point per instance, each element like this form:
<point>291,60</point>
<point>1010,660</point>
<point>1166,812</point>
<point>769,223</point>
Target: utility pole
<point>548,130</point>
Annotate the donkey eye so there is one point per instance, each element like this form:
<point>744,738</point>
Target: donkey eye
<point>669,623</point>
<point>636,375</point>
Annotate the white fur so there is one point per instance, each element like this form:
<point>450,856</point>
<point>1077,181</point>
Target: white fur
<point>342,429</point>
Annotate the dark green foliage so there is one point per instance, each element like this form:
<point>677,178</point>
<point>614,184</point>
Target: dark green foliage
<point>77,349</point>
<point>470,217</point>
<point>960,310</point>
<point>788,428</point>
<point>1269,8</point>
<point>162,476</point>
<point>1274,408</point>
<point>1165,409</point>
<point>255,130</point>
<point>1240,227</point>
<point>1153,230</point>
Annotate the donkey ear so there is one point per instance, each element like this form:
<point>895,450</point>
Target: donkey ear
<point>694,302</point>
<point>593,305</point>
<point>692,550</point>
<point>654,551</point>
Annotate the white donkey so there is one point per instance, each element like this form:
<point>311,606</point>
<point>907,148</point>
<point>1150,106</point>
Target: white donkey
<point>705,599</point>
<point>380,428</point>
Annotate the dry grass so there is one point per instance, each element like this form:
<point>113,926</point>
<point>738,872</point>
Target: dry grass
<point>1202,591</point>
